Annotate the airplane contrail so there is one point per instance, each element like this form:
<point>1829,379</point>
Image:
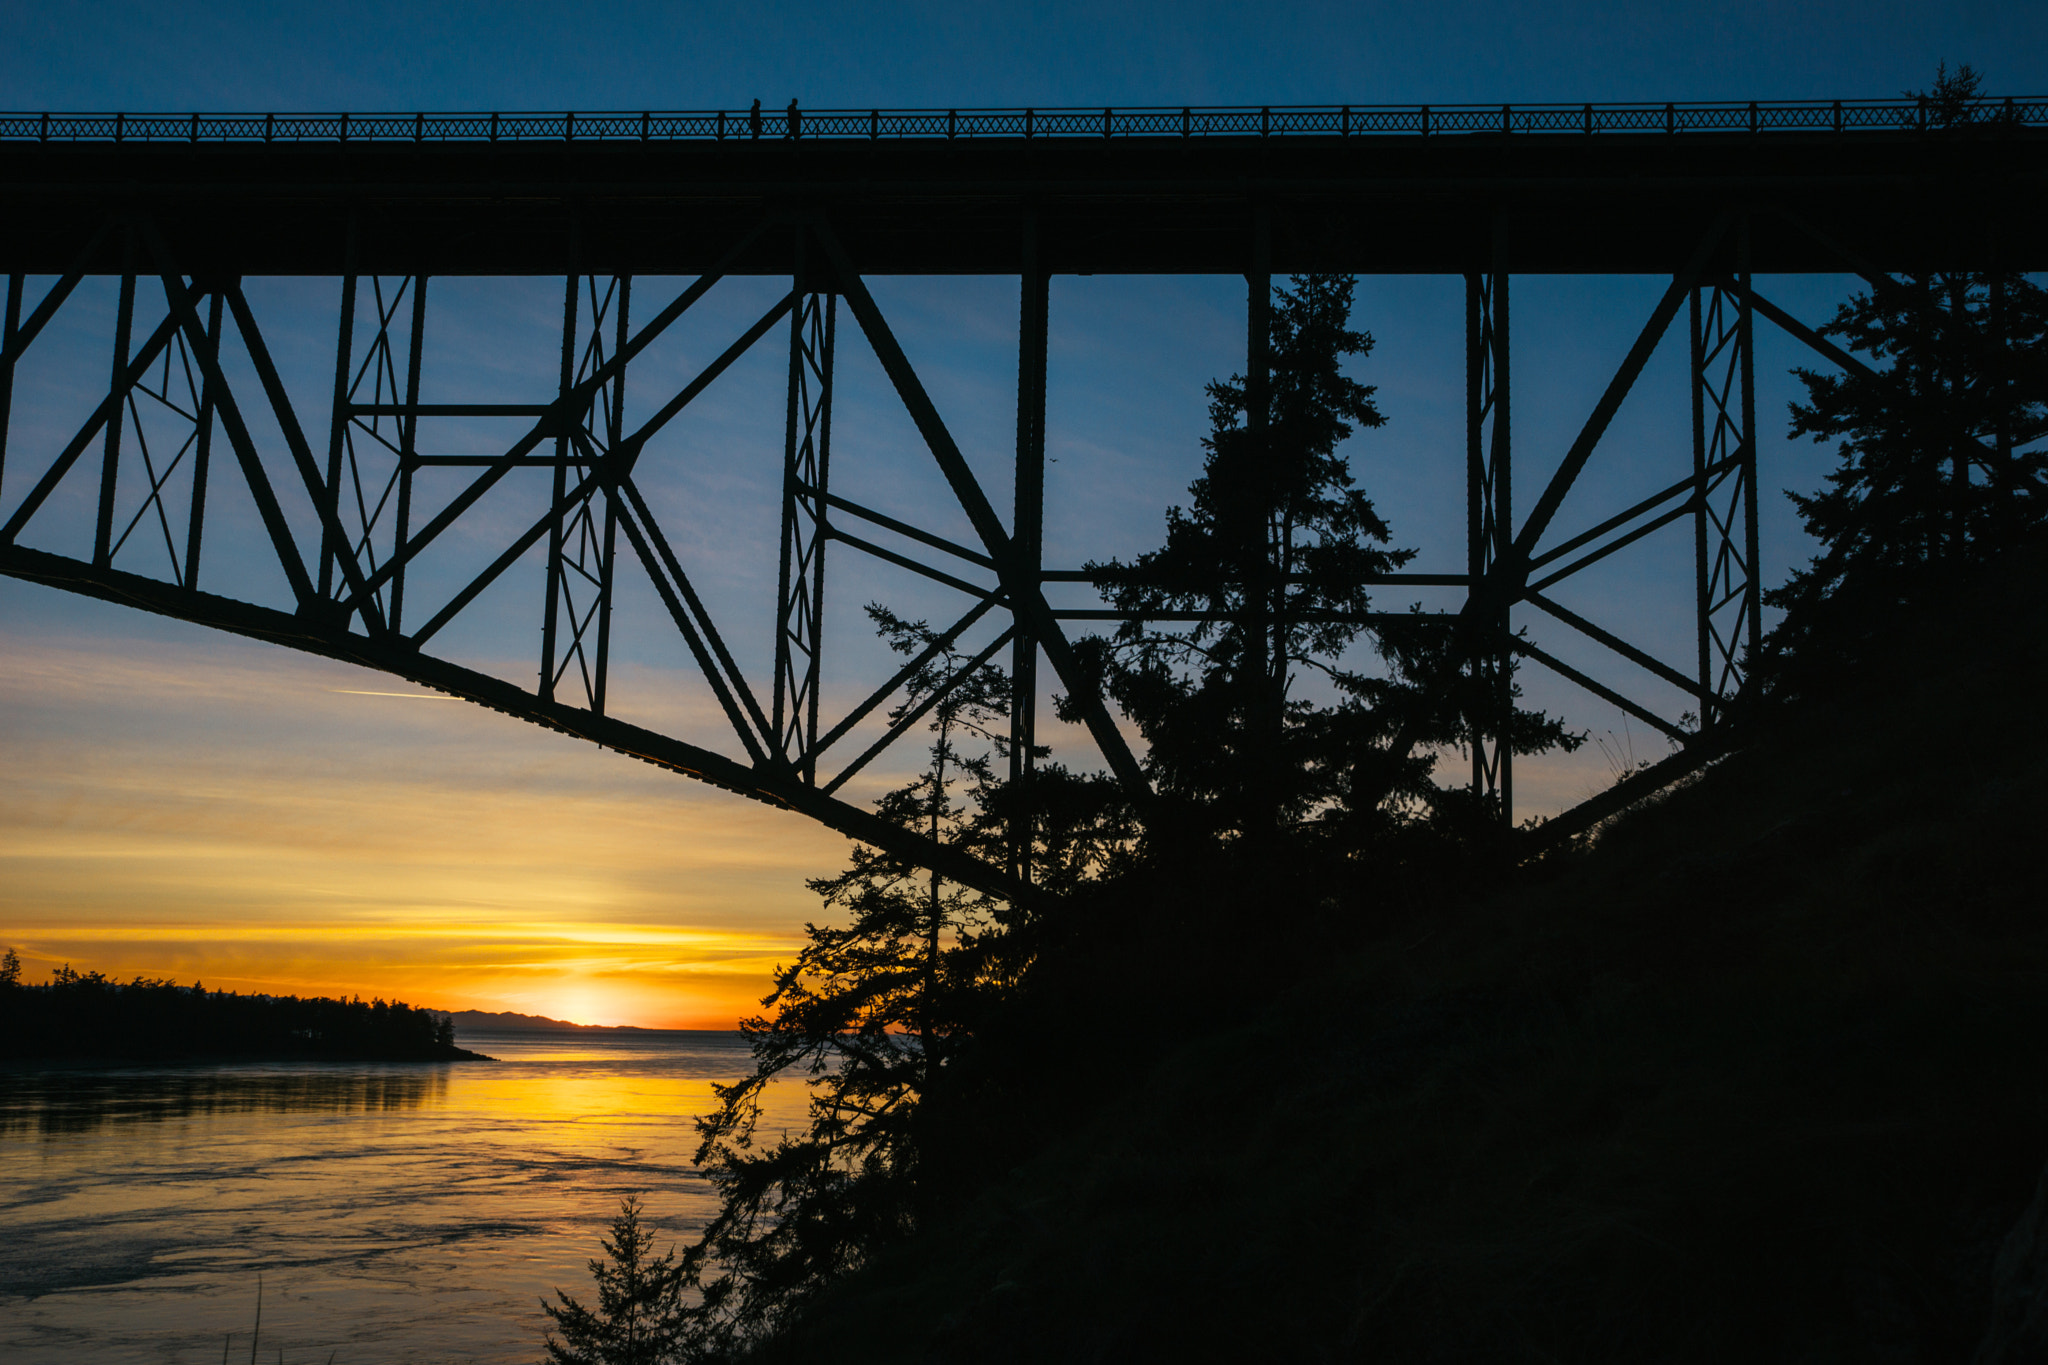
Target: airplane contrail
<point>417,696</point>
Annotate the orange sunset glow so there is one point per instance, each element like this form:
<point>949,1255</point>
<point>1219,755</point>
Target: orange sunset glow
<point>202,807</point>
<point>265,821</point>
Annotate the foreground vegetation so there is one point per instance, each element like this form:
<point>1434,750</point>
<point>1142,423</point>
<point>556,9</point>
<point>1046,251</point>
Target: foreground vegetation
<point>1753,1074</point>
<point>87,1017</point>
<point>1750,1072</point>
<point>1757,1076</point>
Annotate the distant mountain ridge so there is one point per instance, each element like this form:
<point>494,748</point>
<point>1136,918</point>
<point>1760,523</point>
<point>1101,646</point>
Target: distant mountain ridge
<point>473,1019</point>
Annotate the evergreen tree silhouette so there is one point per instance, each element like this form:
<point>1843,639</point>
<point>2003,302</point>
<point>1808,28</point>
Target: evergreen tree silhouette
<point>871,1014</point>
<point>639,1315</point>
<point>1277,550</point>
<point>1942,467</point>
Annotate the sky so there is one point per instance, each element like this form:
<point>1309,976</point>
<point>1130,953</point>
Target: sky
<point>178,802</point>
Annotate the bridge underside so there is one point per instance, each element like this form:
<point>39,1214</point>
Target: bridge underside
<point>1611,203</point>
<point>181,226</point>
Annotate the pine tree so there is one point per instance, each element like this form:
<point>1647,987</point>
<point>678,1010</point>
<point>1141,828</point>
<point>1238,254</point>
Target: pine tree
<point>1277,551</point>
<point>872,1014</point>
<point>886,1012</point>
<point>639,1315</point>
<point>1936,476</point>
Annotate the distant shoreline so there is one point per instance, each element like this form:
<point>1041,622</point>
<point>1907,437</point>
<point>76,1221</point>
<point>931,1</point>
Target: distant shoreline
<point>506,1019</point>
<point>155,1061</point>
<point>90,1018</point>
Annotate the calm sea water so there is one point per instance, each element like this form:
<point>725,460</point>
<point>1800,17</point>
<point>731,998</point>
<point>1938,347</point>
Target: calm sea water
<point>394,1213</point>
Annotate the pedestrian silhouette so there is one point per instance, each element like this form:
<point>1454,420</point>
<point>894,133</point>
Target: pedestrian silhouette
<point>795,119</point>
<point>754,119</point>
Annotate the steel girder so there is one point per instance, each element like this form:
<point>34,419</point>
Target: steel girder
<point>169,402</point>
<point>168,395</point>
<point>800,591</point>
<point>1616,201</point>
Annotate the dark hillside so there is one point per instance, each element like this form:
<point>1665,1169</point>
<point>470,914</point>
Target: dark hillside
<point>1759,1076</point>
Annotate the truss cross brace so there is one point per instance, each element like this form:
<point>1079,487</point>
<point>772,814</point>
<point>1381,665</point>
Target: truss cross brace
<point>806,528</point>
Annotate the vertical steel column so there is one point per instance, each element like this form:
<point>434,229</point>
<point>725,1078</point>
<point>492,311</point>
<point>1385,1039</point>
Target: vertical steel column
<point>1753,596</point>
<point>1958,440</point>
<point>8,331</point>
<point>1478,533</point>
<point>577,630</point>
<point>1263,700</point>
<point>820,358</point>
<point>110,464</point>
<point>408,434</point>
<point>2001,387</point>
<point>607,550</point>
<point>561,483</point>
<point>369,468</point>
<point>788,566</point>
<point>1728,590</point>
<point>1258,383</point>
<point>1258,323</point>
<point>1702,599</point>
<point>1504,534</point>
<point>1489,522</point>
<point>1927,389</point>
<point>1028,541</point>
<point>337,426</point>
<point>202,452</point>
<point>806,477</point>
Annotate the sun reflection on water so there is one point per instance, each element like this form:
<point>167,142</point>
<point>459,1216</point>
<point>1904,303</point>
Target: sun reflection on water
<point>396,1213</point>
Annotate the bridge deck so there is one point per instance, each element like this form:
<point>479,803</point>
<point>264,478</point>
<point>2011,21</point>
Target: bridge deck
<point>1628,202</point>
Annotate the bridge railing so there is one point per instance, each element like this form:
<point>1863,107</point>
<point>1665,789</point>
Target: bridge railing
<point>1340,120</point>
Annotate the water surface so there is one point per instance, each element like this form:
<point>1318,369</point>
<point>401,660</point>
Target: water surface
<point>400,1213</point>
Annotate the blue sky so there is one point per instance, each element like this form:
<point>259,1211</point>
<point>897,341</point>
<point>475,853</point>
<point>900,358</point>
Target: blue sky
<point>635,55</point>
<point>180,800</point>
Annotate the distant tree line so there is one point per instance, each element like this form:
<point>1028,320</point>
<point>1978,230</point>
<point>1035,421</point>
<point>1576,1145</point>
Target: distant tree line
<point>87,1016</point>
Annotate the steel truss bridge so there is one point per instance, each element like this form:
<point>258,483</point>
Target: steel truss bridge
<point>181,208</point>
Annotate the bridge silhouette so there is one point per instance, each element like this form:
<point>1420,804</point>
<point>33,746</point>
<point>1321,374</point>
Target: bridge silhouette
<point>180,209</point>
